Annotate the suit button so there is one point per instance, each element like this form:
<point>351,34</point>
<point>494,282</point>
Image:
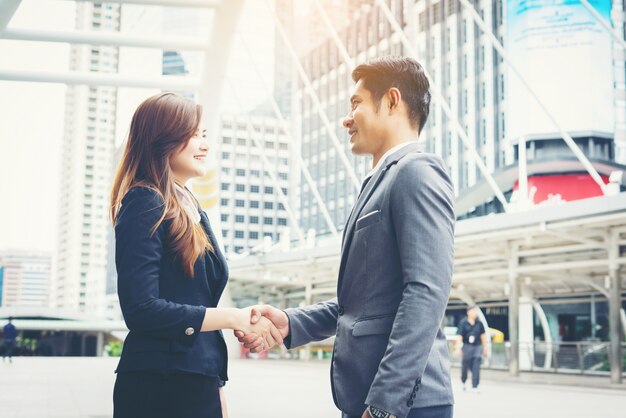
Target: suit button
<point>340,310</point>
<point>189,331</point>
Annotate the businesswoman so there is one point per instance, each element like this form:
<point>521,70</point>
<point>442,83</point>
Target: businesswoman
<point>171,272</point>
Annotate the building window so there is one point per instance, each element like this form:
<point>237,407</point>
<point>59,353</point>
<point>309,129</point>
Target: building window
<point>240,187</point>
<point>482,58</point>
<point>224,202</point>
<point>254,189</point>
<point>238,234</point>
<point>240,203</point>
<point>281,206</point>
<point>240,172</point>
<point>483,93</point>
<point>268,221</point>
<point>241,141</point>
<point>253,235</point>
<point>282,221</point>
<point>225,186</point>
<point>268,205</point>
<point>465,104</point>
<point>284,191</point>
<point>268,190</point>
<point>254,204</point>
<point>255,173</point>
<point>239,219</point>
<point>226,155</point>
<point>224,217</point>
<point>254,219</point>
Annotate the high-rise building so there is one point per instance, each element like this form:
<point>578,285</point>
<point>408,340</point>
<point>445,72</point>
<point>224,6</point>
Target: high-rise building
<point>484,95</point>
<point>24,279</point>
<point>87,168</point>
<point>332,82</point>
<point>306,28</point>
<point>248,149</point>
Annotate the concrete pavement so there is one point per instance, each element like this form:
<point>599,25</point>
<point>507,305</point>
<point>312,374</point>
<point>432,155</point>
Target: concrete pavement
<point>44,387</point>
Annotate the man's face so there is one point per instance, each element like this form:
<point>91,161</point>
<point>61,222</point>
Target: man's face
<point>365,122</point>
<point>471,313</point>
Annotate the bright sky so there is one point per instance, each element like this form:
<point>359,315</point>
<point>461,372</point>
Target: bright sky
<point>31,116</point>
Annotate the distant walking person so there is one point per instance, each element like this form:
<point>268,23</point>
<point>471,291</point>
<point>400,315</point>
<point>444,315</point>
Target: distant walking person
<point>471,342</point>
<point>10,334</point>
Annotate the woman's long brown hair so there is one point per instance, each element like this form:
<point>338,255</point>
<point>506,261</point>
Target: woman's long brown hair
<point>162,126</point>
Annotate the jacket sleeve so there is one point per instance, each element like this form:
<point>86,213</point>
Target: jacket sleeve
<point>138,257</point>
<point>312,323</point>
<point>422,212</point>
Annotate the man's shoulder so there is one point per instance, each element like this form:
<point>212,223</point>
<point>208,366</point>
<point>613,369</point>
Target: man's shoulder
<point>419,158</point>
<point>421,167</point>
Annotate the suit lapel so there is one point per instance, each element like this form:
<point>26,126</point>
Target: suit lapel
<point>204,221</point>
<point>360,203</point>
<point>363,199</point>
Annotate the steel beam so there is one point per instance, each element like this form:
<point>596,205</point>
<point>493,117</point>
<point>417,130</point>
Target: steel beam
<point>101,79</point>
<point>174,43</point>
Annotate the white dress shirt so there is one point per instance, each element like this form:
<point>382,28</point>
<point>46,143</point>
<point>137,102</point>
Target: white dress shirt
<point>385,155</point>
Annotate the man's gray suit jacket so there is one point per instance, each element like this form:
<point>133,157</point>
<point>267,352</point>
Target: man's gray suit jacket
<point>394,282</point>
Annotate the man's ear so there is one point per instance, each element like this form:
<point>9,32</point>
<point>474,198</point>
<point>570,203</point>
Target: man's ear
<point>393,98</point>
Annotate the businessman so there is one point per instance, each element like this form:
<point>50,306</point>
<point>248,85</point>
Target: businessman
<point>390,356</point>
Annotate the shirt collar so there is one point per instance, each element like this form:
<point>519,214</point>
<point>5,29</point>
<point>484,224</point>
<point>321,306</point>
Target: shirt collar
<point>188,203</point>
<point>385,155</point>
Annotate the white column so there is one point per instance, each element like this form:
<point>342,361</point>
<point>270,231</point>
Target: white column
<point>526,333</point>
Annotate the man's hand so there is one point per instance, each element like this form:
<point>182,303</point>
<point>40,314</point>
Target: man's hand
<point>366,414</point>
<point>253,342</point>
<point>485,352</point>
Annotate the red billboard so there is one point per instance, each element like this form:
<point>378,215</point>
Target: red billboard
<point>561,187</point>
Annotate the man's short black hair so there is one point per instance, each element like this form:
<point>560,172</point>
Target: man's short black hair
<point>10,318</point>
<point>405,74</point>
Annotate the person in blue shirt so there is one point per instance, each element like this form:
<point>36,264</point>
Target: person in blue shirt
<point>471,344</point>
<point>10,334</point>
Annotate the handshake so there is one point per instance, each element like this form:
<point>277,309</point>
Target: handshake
<point>262,327</point>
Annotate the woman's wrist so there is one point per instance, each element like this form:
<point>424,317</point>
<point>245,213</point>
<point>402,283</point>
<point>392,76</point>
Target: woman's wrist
<point>238,318</point>
<point>224,318</point>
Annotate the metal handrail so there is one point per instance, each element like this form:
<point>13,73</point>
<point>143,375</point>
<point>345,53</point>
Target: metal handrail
<point>580,357</point>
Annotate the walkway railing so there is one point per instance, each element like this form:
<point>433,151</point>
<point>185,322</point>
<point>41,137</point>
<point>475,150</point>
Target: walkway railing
<point>582,357</point>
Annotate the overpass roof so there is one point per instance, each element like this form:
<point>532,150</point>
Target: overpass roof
<point>562,250</point>
<point>51,319</point>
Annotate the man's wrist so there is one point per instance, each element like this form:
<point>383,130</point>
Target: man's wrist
<point>379,413</point>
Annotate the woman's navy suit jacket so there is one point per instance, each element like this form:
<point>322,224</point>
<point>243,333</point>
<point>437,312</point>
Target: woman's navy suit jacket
<point>162,306</point>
